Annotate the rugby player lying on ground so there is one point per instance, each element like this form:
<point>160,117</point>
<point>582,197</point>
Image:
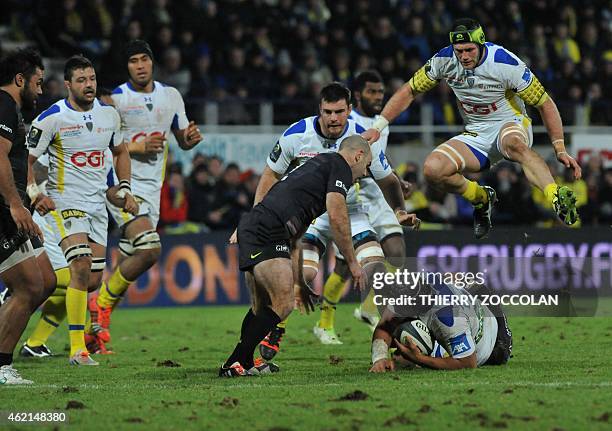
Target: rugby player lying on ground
<point>472,335</point>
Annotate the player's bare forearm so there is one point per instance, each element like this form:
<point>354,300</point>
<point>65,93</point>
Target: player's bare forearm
<point>7,182</point>
<point>340,226</point>
<point>392,190</point>
<point>553,123</point>
<point>398,103</point>
<point>447,363</point>
<point>267,180</point>
<point>31,171</point>
<point>122,161</point>
<point>40,172</point>
<point>297,261</point>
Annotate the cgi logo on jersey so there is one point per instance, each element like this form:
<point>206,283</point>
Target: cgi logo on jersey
<point>93,159</point>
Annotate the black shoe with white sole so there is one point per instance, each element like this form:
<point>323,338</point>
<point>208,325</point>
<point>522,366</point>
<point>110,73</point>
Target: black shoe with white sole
<point>35,352</point>
<point>482,214</point>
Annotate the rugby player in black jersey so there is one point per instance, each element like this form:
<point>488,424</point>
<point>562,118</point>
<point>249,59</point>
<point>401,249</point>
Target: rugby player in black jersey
<point>268,240</point>
<point>21,77</point>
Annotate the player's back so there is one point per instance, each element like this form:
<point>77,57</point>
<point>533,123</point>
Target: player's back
<point>148,114</point>
<point>76,142</point>
<point>456,327</point>
<point>300,197</point>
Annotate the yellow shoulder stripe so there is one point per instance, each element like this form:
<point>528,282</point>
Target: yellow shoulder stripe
<point>534,94</point>
<point>420,82</point>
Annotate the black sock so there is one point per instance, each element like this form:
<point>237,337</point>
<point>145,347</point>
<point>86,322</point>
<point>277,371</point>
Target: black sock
<point>248,317</point>
<point>6,359</point>
<point>253,332</point>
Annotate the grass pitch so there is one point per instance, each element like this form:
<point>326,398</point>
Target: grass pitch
<point>164,376</point>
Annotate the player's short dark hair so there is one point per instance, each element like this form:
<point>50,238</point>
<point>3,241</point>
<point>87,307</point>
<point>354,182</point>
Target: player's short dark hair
<point>75,62</point>
<point>364,77</point>
<point>334,92</point>
<point>24,61</point>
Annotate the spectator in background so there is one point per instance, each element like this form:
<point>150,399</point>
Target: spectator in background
<point>565,47</point>
<point>173,202</point>
<point>172,71</point>
<point>215,168</point>
<point>604,216</point>
<point>201,195</point>
<point>231,200</point>
<point>53,90</point>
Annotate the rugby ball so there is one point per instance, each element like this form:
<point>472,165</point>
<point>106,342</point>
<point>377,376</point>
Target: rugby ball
<point>417,332</point>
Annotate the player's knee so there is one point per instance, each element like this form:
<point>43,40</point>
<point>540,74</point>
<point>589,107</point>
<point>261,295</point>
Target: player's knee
<point>31,289</point>
<point>433,169</point>
<point>80,268</point>
<point>394,248</point>
<point>310,267</point>
<point>515,146</point>
<point>150,256</point>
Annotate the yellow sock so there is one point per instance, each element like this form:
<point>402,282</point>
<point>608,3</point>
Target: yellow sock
<point>111,293</point>
<point>368,305</point>
<point>63,278</point>
<point>474,193</point>
<point>549,192</point>
<point>53,312</point>
<point>332,291</point>
<point>76,310</point>
<point>282,324</point>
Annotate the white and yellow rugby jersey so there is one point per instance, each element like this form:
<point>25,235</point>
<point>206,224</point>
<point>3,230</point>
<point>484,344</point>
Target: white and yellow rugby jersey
<point>76,143</point>
<point>380,166</point>
<point>142,114</point>
<point>495,91</point>
<point>304,140</point>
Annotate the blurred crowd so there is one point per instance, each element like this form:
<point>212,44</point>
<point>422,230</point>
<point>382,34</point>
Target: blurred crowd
<point>212,197</point>
<point>241,52</point>
<point>285,50</point>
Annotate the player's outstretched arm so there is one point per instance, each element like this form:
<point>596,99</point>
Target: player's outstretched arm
<point>341,232</point>
<point>381,341</point>
<point>552,120</point>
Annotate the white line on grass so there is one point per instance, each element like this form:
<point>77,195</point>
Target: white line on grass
<point>270,383</point>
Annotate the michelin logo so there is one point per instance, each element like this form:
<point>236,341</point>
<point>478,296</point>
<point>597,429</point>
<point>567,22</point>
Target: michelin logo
<point>341,185</point>
<point>459,344</point>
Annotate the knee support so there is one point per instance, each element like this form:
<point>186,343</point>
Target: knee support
<point>76,251</point>
<point>98,264</point>
<point>447,150</point>
<point>147,240</point>
<point>311,259</point>
<point>370,252</point>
